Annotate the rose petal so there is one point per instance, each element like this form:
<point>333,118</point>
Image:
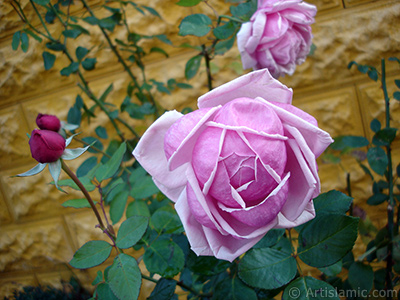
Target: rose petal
<point>180,129</point>
<point>317,139</point>
<point>184,152</point>
<point>265,212</point>
<point>227,247</point>
<point>150,154</point>
<point>251,85</point>
<point>194,230</point>
<point>257,30</point>
<point>303,184</point>
<point>307,215</point>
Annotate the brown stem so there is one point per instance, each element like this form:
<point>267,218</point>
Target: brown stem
<point>85,192</point>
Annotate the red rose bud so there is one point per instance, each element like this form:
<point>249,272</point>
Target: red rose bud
<point>48,122</point>
<point>46,145</point>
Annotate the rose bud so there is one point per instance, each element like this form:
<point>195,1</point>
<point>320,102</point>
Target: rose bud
<point>242,164</point>
<point>277,37</point>
<point>48,122</point>
<point>46,145</point>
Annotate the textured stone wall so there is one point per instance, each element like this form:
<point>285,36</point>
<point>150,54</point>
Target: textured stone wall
<point>38,236</point>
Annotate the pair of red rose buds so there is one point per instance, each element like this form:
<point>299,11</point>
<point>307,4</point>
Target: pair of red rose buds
<point>46,144</point>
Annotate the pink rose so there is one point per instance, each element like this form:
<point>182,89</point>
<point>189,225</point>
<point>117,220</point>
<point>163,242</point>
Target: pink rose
<point>48,122</point>
<point>277,37</point>
<point>240,165</point>
<point>46,146</point>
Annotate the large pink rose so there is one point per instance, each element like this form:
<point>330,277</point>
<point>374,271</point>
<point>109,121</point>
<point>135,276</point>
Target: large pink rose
<point>240,165</point>
<point>277,37</point>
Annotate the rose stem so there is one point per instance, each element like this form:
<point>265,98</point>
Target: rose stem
<point>85,192</point>
<point>207,58</point>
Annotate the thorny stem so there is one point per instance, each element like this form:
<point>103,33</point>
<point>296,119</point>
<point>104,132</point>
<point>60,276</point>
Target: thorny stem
<point>391,205</point>
<point>207,58</point>
<point>294,251</point>
<point>85,192</point>
<point>120,59</point>
<point>348,183</point>
<point>40,17</point>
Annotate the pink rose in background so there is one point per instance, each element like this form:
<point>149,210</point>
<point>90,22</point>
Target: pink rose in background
<point>240,165</point>
<point>277,37</point>
<point>48,122</point>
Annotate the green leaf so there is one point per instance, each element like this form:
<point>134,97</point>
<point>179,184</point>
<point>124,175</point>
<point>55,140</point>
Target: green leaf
<point>55,46</point>
<point>234,289</point>
<point>192,66</point>
<point>81,52</point>
<point>164,257</point>
<point>85,181</point>
<point>396,95</point>
<point>270,239</point>
<point>361,277</point>
<point>205,265</point>
<point>375,125</point>
<point>91,254</point>
<point>48,60</point>
<point>103,97</point>
<point>165,219</point>
<point>243,10</point>
<point>24,42</point>
<point>325,240</point>
<point>72,68</point>
<point>397,82</point>
<point>16,40</point>
<point>377,159</point>
<point>111,166</point>
<point>76,203</point>
<point>164,290</point>
<point>131,231</point>
<point>98,279</point>
<point>72,33</point>
<point>263,268</point>
<point>104,292</point>
<point>144,188</point>
<point>332,202</point>
<point>124,277</point>
<point>349,141</point>
<point>163,38</point>
<point>86,166</point>
<point>332,270</point>
<point>309,288</point>
<point>188,3</point>
<point>91,20</point>
<point>137,208</point>
<point>225,31</point>
<point>196,24</point>
<point>117,206</point>
<point>384,137</point>
<point>159,50</point>
<point>377,199</point>
<point>373,74</point>
<point>223,46</point>
<point>89,63</point>
<point>152,11</point>
<point>101,132</point>
<point>42,2</point>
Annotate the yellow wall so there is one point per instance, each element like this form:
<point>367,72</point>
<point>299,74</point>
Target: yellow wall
<point>38,236</point>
